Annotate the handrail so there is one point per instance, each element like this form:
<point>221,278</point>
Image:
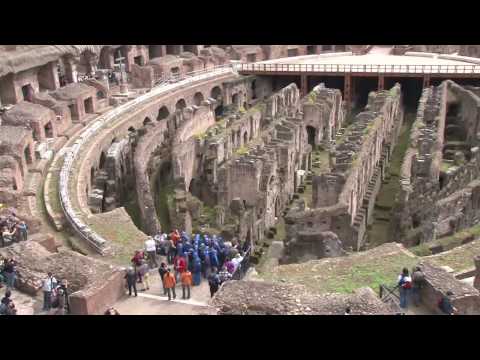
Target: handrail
<point>243,266</point>
<point>389,291</point>
<point>359,68</point>
<point>71,153</point>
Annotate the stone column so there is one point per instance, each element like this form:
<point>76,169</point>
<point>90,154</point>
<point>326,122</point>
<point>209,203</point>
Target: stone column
<point>347,90</point>
<point>303,85</point>
<point>70,70</point>
<point>426,81</point>
<point>381,82</point>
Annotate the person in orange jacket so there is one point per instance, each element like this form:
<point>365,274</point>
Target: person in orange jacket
<point>186,277</point>
<point>169,282</point>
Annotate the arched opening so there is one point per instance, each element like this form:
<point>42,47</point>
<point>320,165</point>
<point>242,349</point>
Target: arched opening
<point>174,49</point>
<point>155,51</point>
<point>27,91</point>
<point>254,89</point>
<point>311,133</point>
<point>245,138</point>
<point>139,60</point>
<point>251,128</point>
<point>49,130</point>
<point>106,58</point>
<point>216,94</point>
<point>103,159</point>
<point>86,63</point>
<point>235,100</point>
<point>198,98</point>
<point>163,113</point>
<point>181,104</point>
<point>131,130</point>
<point>277,207</point>
<point>311,49</point>
<point>164,189</point>
<point>233,138</point>
<point>147,121</point>
<point>100,95</point>
<point>92,176</point>
<point>27,154</point>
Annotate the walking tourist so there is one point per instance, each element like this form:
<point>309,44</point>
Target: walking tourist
<point>131,277</point>
<point>10,272</point>
<point>162,270</point>
<point>49,284</point>
<point>170,283</point>
<point>151,249</point>
<point>144,270</point>
<point>405,286</point>
<point>186,278</point>
<point>418,282</point>
<point>213,282</point>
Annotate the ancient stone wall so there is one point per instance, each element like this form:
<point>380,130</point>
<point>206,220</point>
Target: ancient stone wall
<point>343,199</point>
<point>435,201</point>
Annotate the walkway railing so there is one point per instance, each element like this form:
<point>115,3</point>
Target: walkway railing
<point>72,214</point>
<point>358,68</point>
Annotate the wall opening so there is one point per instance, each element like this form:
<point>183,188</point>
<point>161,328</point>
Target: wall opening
<point>88,105</point>
<point>163,113</point>
<point>198,98</point>
<point>27,91</point>
<point>49,130</point>
<point>311,49</point>
<point>181,104</point>
<point>27,154</point>
<point>174,49</point>
<point>311,133</point>
<point>147,121</point>
<point>155,51</point>
<point>139,60</point>
<point>251,57</point>
<point>73,111</point>
<point>292,52</point>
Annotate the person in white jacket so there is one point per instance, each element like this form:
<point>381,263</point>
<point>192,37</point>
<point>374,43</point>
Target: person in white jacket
<point>49,284</point>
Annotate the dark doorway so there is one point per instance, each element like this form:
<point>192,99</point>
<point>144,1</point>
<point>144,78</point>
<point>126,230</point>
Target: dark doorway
<point>292,52</point>
<point>49,130</point>
<point>139,60</point>
<point>235,101</point>
<point>311,133</point>
<point>326,47</point>
<point>155,51</point>
<point>73,111</point>
<point>245,138</point>
<point>254,89</point>
<point>190,48</point>
<point>173,49</point>
<point>311,49</point>
<point>198,98</point>
<point>103,160</point>
<point>411,90</point>
<point>332,82</point>
<point>279,82</point>
<point>147,121</point>
<point>27,154</point>
<point>216,94</point>
<point>181,104</point>
<point>163,113</point>
<point>89,105</point>
<point>251,57</point>
<point>175,71</point>
<point>27,91</point>
<point>362,86</point>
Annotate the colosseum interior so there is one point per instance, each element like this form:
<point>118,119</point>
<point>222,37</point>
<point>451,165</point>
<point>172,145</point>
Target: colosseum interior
<point>318,172</point>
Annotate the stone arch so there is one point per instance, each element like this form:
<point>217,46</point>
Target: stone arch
<point>147,121</point>
<point>103,160</point>
<point>198,98</point>
<point>106,58</point>
<point>217,94</point>
<point>236,100</point>
<point>181,104</point>
<point>163,113</point>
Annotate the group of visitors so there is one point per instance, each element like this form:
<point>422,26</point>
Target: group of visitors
<point>55,295</point>
<point>410,287</point>
<point>188,261</point>
<point>12,229</point>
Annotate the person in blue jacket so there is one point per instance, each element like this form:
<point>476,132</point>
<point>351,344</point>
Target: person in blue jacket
<point>214,258</point>
<point>197,270</point>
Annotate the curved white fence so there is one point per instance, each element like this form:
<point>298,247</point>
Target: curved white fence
<point>71,154</point>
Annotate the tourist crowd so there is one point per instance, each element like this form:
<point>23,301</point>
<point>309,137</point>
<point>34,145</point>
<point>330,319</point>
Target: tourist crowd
<point>12,229</point>
<point>410,288</point>
<point>189,259</point>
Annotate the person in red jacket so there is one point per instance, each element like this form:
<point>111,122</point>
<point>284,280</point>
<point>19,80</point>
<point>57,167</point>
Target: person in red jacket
<point>180,266</point>
<point>175,236</point>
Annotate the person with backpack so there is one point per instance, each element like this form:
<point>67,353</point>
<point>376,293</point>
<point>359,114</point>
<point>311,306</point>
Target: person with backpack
<point>7,307</point>
<point>162,270</point>
<point>418,282</point>
<point>186,278</point>
<point>131,277</point>
<point>445,304</point>
<point>213,282</point>
<point>170,283</point>
<point>405,286</point>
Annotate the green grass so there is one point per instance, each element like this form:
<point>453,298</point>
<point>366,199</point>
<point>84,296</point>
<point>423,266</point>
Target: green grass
<point>459,258</point>
<point>447,242</point>
<point>346,274</point>
<point>445,166</point>
<point>242,150</point>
